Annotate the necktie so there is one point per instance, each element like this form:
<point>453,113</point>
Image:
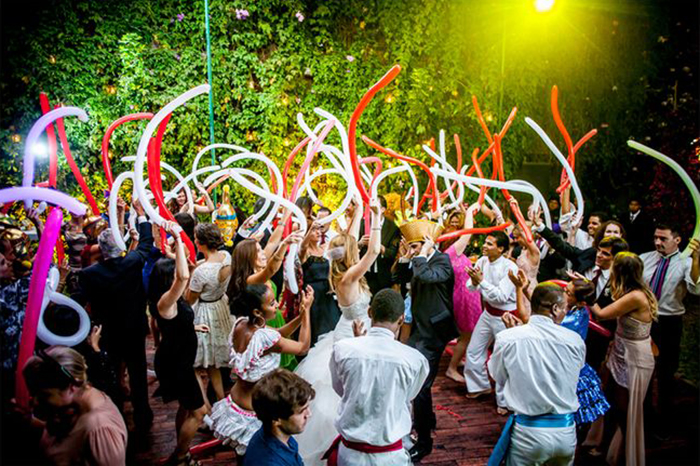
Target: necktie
<point>323,238</point>
<point>596,276</point>
<point>657,280</point>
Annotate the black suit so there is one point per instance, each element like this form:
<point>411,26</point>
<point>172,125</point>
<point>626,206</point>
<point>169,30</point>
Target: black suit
<point>640,232</point>
<point>581,259</point>
<point>379,274</point>
<point>432,286</point>
<point>114,289</point>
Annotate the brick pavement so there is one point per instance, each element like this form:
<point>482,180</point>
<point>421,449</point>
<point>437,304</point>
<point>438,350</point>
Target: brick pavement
<point>466,433</point>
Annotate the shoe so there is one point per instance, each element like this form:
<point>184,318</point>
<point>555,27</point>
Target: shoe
<point>474,395</point>
<point>420,451</point>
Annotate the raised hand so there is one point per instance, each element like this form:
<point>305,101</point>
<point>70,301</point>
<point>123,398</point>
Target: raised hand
<point>358,328</point>
<point>475,274</point>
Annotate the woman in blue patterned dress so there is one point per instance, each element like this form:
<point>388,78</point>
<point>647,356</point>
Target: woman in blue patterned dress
<point>592,403</point>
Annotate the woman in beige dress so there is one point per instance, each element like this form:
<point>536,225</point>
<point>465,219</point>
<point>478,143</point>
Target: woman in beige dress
<point>630,360</point>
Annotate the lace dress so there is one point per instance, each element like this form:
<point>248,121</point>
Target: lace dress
<point>230,423</point>
<point>591,400</point>
<point>631,363</point>
<point>320,431</point>
<point>212,310</point>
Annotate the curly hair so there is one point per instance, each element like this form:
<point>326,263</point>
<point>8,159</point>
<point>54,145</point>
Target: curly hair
<point>208,235</point>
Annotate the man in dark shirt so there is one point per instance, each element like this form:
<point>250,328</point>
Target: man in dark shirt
<point>281,401</point>
<point>115,293</point>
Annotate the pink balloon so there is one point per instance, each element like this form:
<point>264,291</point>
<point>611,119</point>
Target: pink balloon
<point>37,285</point>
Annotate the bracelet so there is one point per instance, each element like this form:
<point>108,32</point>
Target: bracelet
<point>376,229</point>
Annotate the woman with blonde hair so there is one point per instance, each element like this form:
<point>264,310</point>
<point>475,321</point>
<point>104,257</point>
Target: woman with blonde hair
<point>630,360</point>
<point>350,287</point>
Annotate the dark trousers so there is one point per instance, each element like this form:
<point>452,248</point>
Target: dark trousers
<point>424,419</point>
<point>132,351</point>
<point>667,333</point>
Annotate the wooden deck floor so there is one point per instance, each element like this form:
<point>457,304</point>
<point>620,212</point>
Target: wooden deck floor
<point>466,433</point>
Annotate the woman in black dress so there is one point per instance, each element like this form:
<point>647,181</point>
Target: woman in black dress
<point>176,353</point>
<point>324,310</point>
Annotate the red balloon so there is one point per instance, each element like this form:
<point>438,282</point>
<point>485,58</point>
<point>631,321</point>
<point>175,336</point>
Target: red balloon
<point>105,141</point>
<point>74,168</point>
<point>51,137</point>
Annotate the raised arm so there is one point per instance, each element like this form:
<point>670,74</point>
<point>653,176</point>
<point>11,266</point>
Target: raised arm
<point>275,262</point>
<point>298,348</point>
<point>204,209</point>
<point>358,270</point>
<point>145,232</point>
<point>274,241</point>
<point>167,305</point>
<point>354,227</point>
<point>521,283</point>
<point>463,241</point>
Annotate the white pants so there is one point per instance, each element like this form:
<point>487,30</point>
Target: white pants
<point>349,457</point>
<point>546,446</point>
<point>475,371</point>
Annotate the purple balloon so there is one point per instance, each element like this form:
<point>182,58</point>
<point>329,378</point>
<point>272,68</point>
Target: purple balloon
<point>42,194</point>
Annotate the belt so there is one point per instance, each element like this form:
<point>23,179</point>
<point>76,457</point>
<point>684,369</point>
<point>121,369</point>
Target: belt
<point>551,421</point>
<point>331,455</point>
<point>201,300</point>
<point>494,311</point>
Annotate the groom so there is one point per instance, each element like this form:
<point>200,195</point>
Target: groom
<point>432,285</point>
<point>376,376</point>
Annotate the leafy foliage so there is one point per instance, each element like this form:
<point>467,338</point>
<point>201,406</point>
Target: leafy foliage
<point>270,66</point>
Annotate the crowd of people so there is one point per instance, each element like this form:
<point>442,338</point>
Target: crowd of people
<point>567,331</point>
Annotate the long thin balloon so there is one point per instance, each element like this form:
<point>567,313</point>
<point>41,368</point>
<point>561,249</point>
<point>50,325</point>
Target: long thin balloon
<point>74,167</point>
<point>37,285</point>
<point>35,132</point>
<point>51,196</point>
<point>574,184</point>
<point>105,141</point>
<point>51,138</point>
<point>113,220</point>
<point>352,127</point>
<point>692,187</point>
<point>140,161</point>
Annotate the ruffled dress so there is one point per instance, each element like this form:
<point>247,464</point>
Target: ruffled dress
<point>467,304</point>
<point>212,310</point>
<point>230,423</point>
<point>591,400</point>
<point>320,431</point>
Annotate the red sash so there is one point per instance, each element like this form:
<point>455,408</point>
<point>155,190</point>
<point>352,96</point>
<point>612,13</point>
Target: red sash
<point>332,453</point>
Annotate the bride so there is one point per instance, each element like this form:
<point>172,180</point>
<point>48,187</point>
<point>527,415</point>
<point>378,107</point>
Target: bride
<point>348,282</point>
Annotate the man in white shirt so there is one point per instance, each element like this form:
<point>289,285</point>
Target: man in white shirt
<point>670,278</point>
<point>326,233</point>
<point>490,277</point>
<point>377,377</point>
<point>582,239</point>
<point>538,365</point>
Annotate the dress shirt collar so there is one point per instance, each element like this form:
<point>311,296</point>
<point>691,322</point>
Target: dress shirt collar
<point>633,216</point>
<point>381,332</point>
<point>670,255</point>
<point>541,320</point>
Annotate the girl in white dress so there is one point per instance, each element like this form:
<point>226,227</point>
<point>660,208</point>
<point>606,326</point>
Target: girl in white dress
<point>255,351</point>
<point>207,295</point>
<point>348,282</point>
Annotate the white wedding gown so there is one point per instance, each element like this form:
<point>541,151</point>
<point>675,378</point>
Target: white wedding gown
<point>320,430</point>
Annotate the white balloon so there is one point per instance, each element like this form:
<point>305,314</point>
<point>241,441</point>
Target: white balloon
<point>574,184</point>
<point>50,295</point>
<point>143,147</point>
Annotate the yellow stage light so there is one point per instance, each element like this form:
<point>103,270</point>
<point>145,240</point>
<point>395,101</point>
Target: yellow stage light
<point>543,6</point>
